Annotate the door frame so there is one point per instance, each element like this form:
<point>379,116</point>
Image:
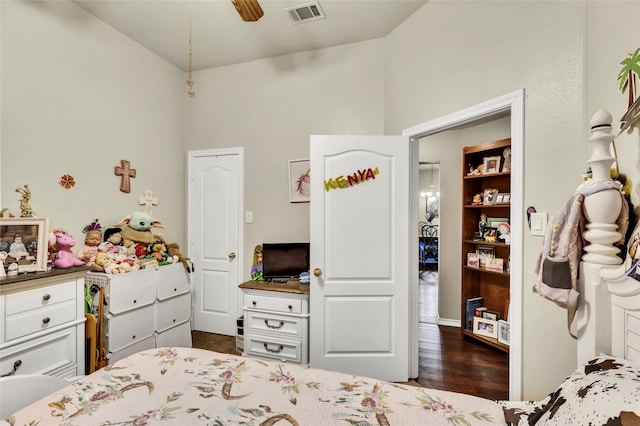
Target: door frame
<point>191,155</point>
<point>512,103</point>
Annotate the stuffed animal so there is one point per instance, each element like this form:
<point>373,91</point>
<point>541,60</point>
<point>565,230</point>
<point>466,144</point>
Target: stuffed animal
<point>174,251</point>
<point>64,242</point>
<point>137,229</point>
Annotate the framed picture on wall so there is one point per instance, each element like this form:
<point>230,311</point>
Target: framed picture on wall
<point>299,181</point>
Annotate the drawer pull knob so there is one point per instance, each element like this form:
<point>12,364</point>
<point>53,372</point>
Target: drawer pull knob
<point>273,351</point>
<point>135,300</point>
<point>13,371</point>
<point>46,297</point>
<point>290,307</point>
<point>46,320</point>
<point>276,327</point>
<point>133,337</point>
<point>254,303</point>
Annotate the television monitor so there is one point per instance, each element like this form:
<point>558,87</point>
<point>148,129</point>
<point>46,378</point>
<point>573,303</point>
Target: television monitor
<point>284,260</point>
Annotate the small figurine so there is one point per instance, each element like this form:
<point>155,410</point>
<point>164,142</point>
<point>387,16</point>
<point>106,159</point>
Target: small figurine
<point>477,200</point>
<point>483,223</point>
<point>91,242</point>
<point>25,207</point>
<point>507,160</point>
<point>63,243</point>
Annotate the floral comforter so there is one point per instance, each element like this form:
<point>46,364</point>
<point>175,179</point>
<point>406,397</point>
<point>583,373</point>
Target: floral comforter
<point>184,386</point>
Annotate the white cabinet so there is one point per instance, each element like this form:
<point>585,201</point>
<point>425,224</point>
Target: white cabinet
<point>42,329</point>
<point>145,309</point>
<point>276,321</point>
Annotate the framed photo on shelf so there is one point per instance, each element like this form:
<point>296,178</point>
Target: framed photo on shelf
<point>485,253</point>
<point>504,332</point>
<point>503,198</point>
<point>494,221</point>
<point>495,264</point>
<point>299,181</point>
<point>490,234</point>
<point>485,327</point>
<point>490,315</point>
<point>489,196</point>
<point>491,164</point>
<point>25,241</point>
<point>472,260</point>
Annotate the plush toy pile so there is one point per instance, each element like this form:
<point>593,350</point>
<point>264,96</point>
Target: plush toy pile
<point>127,246</point>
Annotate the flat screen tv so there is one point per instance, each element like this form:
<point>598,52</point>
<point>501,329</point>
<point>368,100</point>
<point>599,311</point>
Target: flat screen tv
<point>284,260</point>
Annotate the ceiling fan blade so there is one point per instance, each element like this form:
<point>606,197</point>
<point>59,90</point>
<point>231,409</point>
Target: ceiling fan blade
<point>249,10</point>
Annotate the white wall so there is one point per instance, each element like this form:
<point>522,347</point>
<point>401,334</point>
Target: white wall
<point>451,55</point>
<point>271,107</point>
<point>77,97</point>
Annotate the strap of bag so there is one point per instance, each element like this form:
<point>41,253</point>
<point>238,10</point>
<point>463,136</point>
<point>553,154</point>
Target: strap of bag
<point>572,308</point>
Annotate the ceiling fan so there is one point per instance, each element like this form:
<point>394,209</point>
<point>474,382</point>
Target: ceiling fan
<point>249,10</point>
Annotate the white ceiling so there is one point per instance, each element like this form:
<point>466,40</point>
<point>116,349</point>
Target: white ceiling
<point>220,37</point>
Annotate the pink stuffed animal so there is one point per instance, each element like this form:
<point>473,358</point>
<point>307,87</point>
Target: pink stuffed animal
<point>65,258</point>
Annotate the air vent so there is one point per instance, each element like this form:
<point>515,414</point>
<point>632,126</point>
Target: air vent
<point>305,12</point>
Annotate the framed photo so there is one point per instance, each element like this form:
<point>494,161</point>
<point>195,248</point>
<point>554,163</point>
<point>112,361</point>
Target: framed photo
<point>504,332</point>
<point>299,181</point>
<point>504,198</point>
<point>472,260</point>
<point>491,164</point>
<point>491,315</point>
<point>495,264</point>
<point>25,241</point>
<point>489,196</point>
<point>484,253</point>
<point>494,221</point>
<point>490,234</point>
<point>485,327</point>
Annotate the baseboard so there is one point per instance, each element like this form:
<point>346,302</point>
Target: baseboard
<point>449,322</point>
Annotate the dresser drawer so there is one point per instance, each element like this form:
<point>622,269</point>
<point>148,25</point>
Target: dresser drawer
<point>142,345</point>
<point>45,355</point>
<point>172,280</point>
<point>125,329</point>
<point>171,312</point>
<point>179,336</point>
<point>273,303</point>
<point>131,290</point>
<point>266,347</point>
<point>275,324</point>
<point>25,323</point>
<point>39,298</point>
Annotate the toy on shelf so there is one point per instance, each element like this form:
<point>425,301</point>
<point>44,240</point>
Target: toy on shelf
<point>88,252</point>
<point>136,228</point>
<point>63,243</point>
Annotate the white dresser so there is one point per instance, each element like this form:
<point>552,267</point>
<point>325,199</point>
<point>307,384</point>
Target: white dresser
<point>276,320</point>
<point>42,329</point>
<point>145,309</point>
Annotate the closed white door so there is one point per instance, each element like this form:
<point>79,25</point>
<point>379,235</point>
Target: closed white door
<point>215,237</point>
<point>362,255</point>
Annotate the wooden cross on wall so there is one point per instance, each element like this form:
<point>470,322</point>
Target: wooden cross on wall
<point>148,201</point>
<point>125,173</point>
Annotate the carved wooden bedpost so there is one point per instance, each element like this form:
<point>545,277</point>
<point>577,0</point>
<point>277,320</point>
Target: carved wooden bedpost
<point>602,210</point>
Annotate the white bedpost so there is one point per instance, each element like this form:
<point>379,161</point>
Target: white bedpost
<point>601,211</point>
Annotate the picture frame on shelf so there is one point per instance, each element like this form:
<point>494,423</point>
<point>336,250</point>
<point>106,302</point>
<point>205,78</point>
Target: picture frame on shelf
<point>490,234</point>
<point>504,198</point>
<point>495,264</point>
<point>504,332</point>
<point>472,260</point>
<point>299,181</point>
<point>490,315</point>
<point>485,327</point>
<point>485,253</point>
<point>491,164</point>
<point>494,221</point>
<point>25,241</point>
<point>489,196</point>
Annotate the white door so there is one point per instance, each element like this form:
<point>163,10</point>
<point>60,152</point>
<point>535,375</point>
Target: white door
<point>363,255</point>
<point>215,237</point>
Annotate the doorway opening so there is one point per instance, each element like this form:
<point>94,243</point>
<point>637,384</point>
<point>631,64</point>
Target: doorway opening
<point>428,240</point>
<point>510,106</point>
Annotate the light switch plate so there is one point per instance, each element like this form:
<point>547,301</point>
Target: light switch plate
<point>538,223</point>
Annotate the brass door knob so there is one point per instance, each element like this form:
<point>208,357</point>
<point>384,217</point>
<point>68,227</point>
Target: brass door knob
<point>232,255</point>
<point>317,272</point>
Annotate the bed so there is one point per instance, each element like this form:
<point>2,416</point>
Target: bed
<point>186,386</point>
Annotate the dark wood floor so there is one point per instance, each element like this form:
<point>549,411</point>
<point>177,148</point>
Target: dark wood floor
<point>449,362</point>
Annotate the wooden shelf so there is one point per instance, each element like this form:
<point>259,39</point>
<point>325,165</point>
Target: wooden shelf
<point>487,340</point>
<point>492,286</point>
